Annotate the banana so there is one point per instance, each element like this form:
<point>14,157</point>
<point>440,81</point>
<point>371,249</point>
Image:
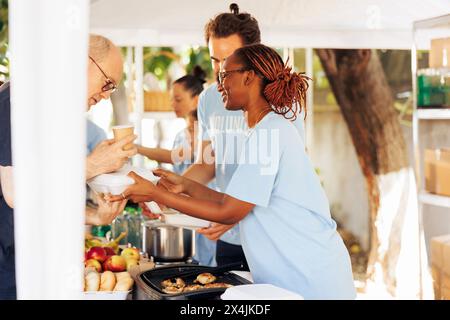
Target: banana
<point>89,243</point>
<point>114,244</point>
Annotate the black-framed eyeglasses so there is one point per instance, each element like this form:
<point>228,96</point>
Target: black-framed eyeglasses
<point>110,84</point>
<point>224,74</point>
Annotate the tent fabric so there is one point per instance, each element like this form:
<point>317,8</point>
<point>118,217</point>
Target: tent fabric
<point>383,24</point>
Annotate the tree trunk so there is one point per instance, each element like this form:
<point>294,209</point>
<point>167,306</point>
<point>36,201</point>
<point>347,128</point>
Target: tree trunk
<point>365,99</point>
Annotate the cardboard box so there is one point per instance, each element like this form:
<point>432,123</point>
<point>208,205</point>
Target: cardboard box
<point>437,246</point>
<point>436,275</point>
<point>440,266</point>
<point>440,53</point>
<point>445,294</point>
<point>437,171</point>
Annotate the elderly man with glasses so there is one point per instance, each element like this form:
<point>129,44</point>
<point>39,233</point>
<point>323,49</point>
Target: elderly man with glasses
<point>104,73</point>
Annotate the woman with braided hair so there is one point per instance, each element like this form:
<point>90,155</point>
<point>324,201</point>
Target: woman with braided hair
<point>287,233</point>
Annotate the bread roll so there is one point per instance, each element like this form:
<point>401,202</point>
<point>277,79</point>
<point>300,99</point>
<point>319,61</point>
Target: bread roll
<point>92,281</point>
<point>124,284</point>
<point>107,281</point>
<point>122,275</point>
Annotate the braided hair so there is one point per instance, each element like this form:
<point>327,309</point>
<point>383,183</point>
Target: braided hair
<point>193,82</point>
<point>283,89</point>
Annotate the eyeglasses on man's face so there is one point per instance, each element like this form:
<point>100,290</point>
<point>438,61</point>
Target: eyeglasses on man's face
<point>224,74</point>
<point>110,84</point>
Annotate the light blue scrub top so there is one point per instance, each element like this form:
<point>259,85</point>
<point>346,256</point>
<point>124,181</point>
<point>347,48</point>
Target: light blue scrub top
<point>226,131</point>
<point>205,249</point>
<point>289,238</point>
<point>94,136</point>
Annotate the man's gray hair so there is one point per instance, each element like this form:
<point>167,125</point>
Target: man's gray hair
<point>99,46</point>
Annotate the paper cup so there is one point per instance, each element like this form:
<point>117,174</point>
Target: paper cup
<point>123,131</point>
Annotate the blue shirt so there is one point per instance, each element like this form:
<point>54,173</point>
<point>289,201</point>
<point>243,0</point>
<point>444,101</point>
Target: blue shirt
<point>7,255</point>
<point>94,136</point>
<point>226,131</point>
<point>289,238</point>
<point>205,249</point>
<point>181,140</point>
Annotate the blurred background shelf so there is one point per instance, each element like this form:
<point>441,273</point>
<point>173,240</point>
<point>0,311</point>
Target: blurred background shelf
<point>434,199</point>
<point>156,115</point>
<point>433,114</point>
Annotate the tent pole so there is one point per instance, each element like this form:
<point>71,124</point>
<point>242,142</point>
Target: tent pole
<point>129,86</point>
<point>139,95</point>
<point>49,56</point>
<point>309,100</point>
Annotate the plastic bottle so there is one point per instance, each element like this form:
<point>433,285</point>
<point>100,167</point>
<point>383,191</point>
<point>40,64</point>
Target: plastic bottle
<point>135,227</point>
<point>120,224</point>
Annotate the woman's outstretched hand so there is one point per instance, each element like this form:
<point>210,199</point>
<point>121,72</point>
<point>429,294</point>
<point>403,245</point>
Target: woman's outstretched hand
<point>171,181</point>
<point>141,191</point>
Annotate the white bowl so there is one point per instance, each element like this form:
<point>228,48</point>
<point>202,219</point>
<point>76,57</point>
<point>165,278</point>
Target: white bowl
<point>117,182</point>
<point>144,173</point>
<point>183,220</point>
<point>114,183</point>
<point>106,295</point>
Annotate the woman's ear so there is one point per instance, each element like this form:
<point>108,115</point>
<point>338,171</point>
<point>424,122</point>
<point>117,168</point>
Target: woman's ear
<point>250,75</point>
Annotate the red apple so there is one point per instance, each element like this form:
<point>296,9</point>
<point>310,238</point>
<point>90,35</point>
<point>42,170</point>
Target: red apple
<point>130,253</point>
<point>109,251</point>
<point>97,253</point>
<point>115,264</point>
<point>94,263</point>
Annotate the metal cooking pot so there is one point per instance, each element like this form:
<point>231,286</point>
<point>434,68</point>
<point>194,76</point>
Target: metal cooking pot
<point>167,243</point>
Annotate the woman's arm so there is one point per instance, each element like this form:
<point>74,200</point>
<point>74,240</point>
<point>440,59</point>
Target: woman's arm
<point>164,155</point>
<point>227,210</point>
<point>180,184</point>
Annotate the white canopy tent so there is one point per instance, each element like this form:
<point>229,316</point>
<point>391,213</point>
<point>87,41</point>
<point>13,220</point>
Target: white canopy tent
<point>382,24</point>
<point>49,44</point>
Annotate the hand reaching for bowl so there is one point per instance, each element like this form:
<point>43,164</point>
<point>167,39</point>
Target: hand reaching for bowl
<point>106,211</point>
<point>171,181</point>
<point>141,191</point>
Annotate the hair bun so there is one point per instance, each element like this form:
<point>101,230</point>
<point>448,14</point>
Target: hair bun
<point>199,73</point>
<point>285,74</point>
<point>234,8</point>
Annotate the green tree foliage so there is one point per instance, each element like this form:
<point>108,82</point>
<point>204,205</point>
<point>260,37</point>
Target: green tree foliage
<point>199,56</point>
<point>4,62</point>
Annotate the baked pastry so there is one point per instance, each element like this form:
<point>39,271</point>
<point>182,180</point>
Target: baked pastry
<point>107,281</point>
<point>192,287</point>
<point>124,284</point>
<point>205,278</point>
<point>92,281</point>
<point>217,285</point>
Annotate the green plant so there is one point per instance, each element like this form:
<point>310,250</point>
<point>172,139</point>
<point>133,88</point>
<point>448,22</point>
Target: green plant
<point>199,56</point>
<point>4,60</point>
<point>157,60</point>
